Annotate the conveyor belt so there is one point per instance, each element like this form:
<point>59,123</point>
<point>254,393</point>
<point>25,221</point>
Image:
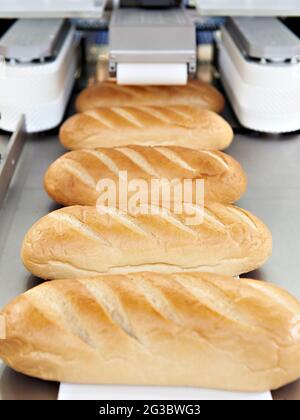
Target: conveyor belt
<point>273,168</point>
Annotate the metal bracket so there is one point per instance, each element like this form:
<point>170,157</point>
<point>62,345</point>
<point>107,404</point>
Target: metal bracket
<point>152,36</point>
<point>14,149</point>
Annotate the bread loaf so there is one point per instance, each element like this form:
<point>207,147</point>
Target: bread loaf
<point>109,94</point>
<point>76,242</point>
<point>187,329</point>
<point>74,177</point>
<point>146,126</point>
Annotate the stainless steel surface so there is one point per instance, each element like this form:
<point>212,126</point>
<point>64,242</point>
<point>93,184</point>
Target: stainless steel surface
<point>51,9</point>
<point>10,156</point>
<point>248,8</point>
<point>32,39</point>
<point>273,168</point>
<point>25,203</point>
<point>152,36</point>
<point>264,37</point>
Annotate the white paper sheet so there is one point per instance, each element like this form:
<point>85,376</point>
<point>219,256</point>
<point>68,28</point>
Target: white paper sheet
<point>114,392</point>
<point>152,74</point>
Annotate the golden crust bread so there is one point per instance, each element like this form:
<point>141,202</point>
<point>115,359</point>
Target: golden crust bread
<point>107,94</point>
<point>189,329</point>
<point>73,178</point>
<point>183,126</point>
<point>78,241</point>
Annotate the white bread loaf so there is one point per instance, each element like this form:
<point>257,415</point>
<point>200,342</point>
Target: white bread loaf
<point>187,329</point>
<point>108,94</point>
<point>73,178</point>
<point>76,242</point>
<point>183,126</point>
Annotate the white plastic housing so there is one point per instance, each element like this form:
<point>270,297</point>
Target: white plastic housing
<point>40,91</point>
<point>265,97</point>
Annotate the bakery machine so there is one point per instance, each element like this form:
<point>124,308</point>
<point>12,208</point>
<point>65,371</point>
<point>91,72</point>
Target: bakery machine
<point>257,64</point>
<point>39,66</point>
<point>155,47</point>
<point>151,42</point>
